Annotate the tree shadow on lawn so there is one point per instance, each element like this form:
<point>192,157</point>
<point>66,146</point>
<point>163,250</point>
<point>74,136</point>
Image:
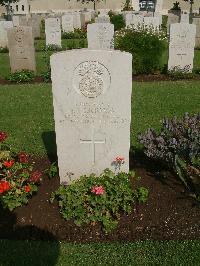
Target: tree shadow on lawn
<point>49,139</point>
<point>16,251</point>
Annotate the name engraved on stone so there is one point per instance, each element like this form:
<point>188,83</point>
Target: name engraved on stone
<point>91,79</point>
<point>87,113</point>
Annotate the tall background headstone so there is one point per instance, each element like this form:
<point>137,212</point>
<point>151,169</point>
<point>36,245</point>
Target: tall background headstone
<point>4,26</point>
<point>181,47</point>
<point>21,49</point>
<point>100,36</point>
<point>68,23</point>
<point>196,21</point>
<point>53,31</point>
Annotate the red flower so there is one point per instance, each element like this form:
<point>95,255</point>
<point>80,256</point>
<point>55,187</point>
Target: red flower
<point>119,159</point>
<point>35,177</point>
<point>8,164</point>
<point>23,157</point>
<point>98,190</point>
<point>3,136</point>
<point>27,188</point>
<point>4,186</point>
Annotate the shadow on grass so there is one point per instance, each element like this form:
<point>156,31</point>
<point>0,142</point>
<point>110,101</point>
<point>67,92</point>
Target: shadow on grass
<point>15,251</point>
<point>49,139</point>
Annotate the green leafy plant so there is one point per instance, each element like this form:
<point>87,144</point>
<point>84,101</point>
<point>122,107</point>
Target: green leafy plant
<point>118,21</point>
<point>18,181</point>
<point>77,34</point>
<point>53,170</point>
<point>21,76</point>
<point>178,146</point>
<point>3,50</point>
<point>176,6</point>
<point>178,73</point>
<point>145,44</point>
<point>103,199</point>
<point>53,47</point>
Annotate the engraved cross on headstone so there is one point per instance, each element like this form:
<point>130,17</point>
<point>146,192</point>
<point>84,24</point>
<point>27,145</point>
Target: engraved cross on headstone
<point>93,141</point>
<point>181,54</point>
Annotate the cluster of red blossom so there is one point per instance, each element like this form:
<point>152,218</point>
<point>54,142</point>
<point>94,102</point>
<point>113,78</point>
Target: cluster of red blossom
<point>23,158</point>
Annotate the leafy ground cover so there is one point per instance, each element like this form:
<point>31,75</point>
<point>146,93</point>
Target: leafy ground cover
<point>27,111</point>
<point>140,253</point>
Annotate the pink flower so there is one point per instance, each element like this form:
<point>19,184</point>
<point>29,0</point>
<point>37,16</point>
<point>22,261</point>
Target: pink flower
<point>120,159</point>
<point>98,190</point>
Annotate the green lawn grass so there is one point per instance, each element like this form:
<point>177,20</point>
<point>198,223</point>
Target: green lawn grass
<point>33,253</point>
<point>27,110</point>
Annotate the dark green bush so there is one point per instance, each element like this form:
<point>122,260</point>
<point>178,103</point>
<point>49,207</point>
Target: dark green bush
<point>177,145</point>
<point>118,21</point>
<point>146,46</point>
<point>22,76</point>
<point>102,199</point>
<point>4,50</point>
<point>77,34</point>
<point>53,47</point>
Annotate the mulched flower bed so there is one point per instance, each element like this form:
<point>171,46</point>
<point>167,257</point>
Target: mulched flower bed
<point>169,214</point>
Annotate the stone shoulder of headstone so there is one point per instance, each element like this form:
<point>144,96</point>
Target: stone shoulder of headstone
<point>92,110</point>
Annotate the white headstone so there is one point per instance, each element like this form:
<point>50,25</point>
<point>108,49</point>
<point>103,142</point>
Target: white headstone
<point>4,25</point>
<point>92,110</point>
<point>135,20</point>
<point>15,21</point>
<point>100,36</point>
<point>77,20</point>
<point>185,18</point>
<point>86,17</point>
<point>152,22</point>
<point>68,23</point>
<point>196,21</point>
<point>53,31</point>
<point>159,16</point>
<point>172,19</point>
<point>159,6</point>
<point>102,19</point>
<point>181,47</point>
<point>21,48</point>
<point>135,5</point>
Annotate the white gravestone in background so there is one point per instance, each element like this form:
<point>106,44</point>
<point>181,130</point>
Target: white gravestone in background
<point>68,23</point>
<point>4,26</point>
<point>21,49</point>
<point>100,36</point>
<point>53,31</point>
<point>77,20</point>
<point>196,21</point>
<point>135,5</point>
<point>92,110</point>
<point>172,19</point>
<point>181,47</point>
<point>134,20</point>
<point>159,6</point>
<point>152,22</point>
<point>86,17</point>
<point>102,19</point>
<point>184,18</point>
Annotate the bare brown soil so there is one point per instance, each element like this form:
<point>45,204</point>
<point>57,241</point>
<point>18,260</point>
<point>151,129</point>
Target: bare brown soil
<point>169,214</point>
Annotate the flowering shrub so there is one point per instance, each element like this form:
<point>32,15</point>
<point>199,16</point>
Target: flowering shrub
<point>21,76</point>
<point>103,198</point>
<point>18,181</point>
<point>145,44</point>
<point>178,145</point>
